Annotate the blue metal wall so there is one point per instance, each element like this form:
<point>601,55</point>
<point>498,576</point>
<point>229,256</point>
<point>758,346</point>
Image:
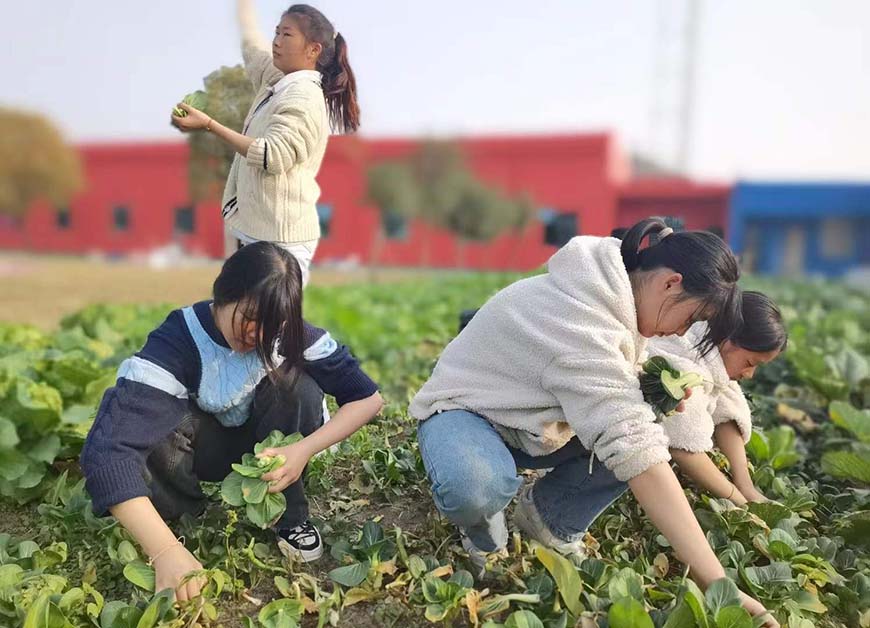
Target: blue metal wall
<point>773,210</point>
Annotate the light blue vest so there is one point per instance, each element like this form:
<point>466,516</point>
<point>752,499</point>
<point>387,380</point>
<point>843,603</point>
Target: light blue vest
<point>228,379</point>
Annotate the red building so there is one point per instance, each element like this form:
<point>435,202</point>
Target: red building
<point>136,199</point>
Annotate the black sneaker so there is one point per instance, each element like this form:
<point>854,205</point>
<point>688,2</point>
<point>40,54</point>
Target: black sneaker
<point>303,542</point>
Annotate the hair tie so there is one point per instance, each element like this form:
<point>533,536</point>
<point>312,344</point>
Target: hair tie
<point>334,35</point>
<point>664,233</point>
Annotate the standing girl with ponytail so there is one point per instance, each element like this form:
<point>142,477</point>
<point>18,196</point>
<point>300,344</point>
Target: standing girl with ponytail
<point>303,86</point>
<point>545,376</point>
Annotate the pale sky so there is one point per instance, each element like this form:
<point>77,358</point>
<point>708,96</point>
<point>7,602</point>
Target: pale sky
<point>782,91</point>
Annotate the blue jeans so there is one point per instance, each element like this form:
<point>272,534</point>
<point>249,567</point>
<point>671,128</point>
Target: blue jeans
<point>474,477</point>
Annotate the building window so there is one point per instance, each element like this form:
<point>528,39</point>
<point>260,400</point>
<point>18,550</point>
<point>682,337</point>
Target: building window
<point>395,225</point>
<point>121,218</point>
<point>559,227</point>
<point>184,221</point>
<point>62,218</point>
<point>324,215</point>
<point>837,239</point>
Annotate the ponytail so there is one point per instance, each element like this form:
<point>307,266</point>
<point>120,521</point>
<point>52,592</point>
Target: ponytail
<point>708,267</point>
<point>339,83</point>
<point>339,87</point>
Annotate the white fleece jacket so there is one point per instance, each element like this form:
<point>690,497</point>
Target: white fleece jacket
<point>718,400</point>
<point>553,356</point>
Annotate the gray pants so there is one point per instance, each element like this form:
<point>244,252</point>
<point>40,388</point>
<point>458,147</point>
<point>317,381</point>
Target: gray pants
<point>201,449</point>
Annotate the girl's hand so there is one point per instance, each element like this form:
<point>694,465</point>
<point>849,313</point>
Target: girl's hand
<point>756,609</point>
<point>171,567</point>
<point>681,407</point>
<point>193,121</point>
<point>752,494</point>
<point>297,456</point>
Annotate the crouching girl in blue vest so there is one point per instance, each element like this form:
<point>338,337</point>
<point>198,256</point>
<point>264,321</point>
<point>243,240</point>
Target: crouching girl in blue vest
<point>214,379</point>
<point>546,376</point>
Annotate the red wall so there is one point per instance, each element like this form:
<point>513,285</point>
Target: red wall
<point>701,206</point>
<point>585,174</point>
<point>149,179</point>
<point>566,173</point>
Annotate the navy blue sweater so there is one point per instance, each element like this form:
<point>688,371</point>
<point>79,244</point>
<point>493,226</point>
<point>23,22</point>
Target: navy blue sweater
<point>154,390</point>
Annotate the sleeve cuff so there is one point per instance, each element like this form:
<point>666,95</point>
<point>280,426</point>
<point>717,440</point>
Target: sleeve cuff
<point>639,462</point>
<point>113,484</point>
<point>257,154</point>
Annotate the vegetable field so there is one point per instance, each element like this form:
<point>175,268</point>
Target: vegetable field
<point>392,560</point>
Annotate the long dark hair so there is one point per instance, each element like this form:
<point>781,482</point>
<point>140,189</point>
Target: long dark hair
<point>709,269</point>
<point>339,84</point>
<point>763,329</point>
<point>265,284</point>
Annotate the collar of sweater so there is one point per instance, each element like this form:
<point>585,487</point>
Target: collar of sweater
<point>294,77</point>
<point>590,269</point>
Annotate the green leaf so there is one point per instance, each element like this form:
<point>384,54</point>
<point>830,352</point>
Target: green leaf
<point>44,613</point>
<point>758,447</point>
<point>436,612</point>
<point>625,583</point>
<point>463,579</point>
<point>851,419</point>
<point>770,512</point>
<point>140,575</point>
<point>71,600</point>
<point>46,449</point>
<point>775,573</point>
<point>254,490</point>
<point>627,612</point>
<point>848,465</point>
<point>283,586</point>
<point>126,552</point>
<point>8,434</point>
<point>566,577</point>
<point>855,528</point>
<point>523,619</point>
<point>721,593</point>
<point>231,490</point>
<point>733,617</point>
<point>283,613</point>
<point>416,565</point>
<point>13,464</point>
<point>266,512</point>
<point>350,575</point>
<point>372,534</point>
<point>10,575</point>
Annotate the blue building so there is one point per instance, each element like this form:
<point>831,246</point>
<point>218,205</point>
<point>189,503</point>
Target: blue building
<point>801,228</point>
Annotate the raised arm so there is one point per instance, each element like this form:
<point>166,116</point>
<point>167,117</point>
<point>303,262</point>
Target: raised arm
<point>256,51</point>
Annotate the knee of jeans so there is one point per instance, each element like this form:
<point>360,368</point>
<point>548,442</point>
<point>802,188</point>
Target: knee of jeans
<point>474,491</point>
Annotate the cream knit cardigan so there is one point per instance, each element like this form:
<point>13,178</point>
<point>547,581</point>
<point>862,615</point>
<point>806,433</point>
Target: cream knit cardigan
<point>717,400</point>
<point>271,194</point>
<point>553,356</point>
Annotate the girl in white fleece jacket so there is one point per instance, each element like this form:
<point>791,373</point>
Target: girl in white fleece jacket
<point>545,376</point>
<point>303,83</point>
<point>717,411</point>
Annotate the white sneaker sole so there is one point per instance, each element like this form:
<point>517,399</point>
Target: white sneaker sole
<point>307,556</point>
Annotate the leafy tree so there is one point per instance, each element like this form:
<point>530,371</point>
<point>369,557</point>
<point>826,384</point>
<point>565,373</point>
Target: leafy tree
<point>35,162</point>
<point>229,98</point>
<point>435,186</point>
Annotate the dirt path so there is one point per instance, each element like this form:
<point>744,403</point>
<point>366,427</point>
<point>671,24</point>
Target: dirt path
<point>42,289</point>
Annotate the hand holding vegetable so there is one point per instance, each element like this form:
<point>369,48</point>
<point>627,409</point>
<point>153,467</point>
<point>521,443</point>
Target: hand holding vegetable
<point>170,570</point>
<point>249,483</point>
<point>295,455</point>
<point>664,387</point>
<point>193,119</point>
<point>187,115</point>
